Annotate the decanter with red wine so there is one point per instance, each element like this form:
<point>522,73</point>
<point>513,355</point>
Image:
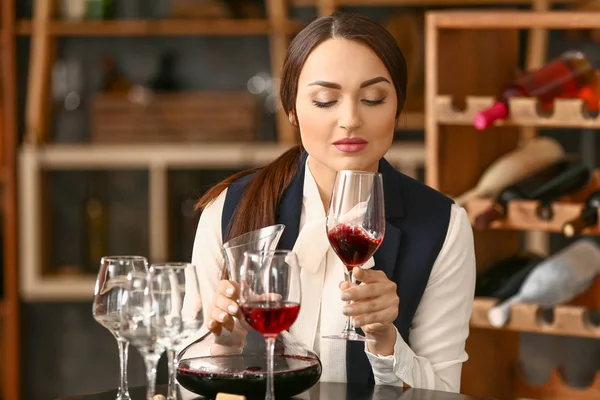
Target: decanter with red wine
<point>236,362</point>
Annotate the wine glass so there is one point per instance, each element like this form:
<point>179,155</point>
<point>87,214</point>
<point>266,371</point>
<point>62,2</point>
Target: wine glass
<point>355,226</point>
<point>149,319</point>
<point>177,272</point>
<point>270,298</point>
<point>107,304</point>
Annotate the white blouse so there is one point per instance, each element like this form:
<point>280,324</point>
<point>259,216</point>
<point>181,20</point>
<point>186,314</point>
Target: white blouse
<point>440,326</point>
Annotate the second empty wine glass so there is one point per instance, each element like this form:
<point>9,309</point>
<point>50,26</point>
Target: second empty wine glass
<point>191,322</point>
<point>106,307</point>
<point>355,226</point>
<point>270,298</point>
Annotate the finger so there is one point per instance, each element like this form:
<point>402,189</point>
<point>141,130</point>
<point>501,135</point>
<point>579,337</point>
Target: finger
<point>368,275</point>
<point>369,290</point>
<point>346,285</point>
<point>229,289</point>
<point>214,327</point>
<point>226,304</point>
<point>371,306</point>
<point>383,317</point>
<point>223,318</point>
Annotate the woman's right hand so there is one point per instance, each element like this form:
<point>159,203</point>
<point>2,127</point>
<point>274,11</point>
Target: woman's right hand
<point>224,307</point>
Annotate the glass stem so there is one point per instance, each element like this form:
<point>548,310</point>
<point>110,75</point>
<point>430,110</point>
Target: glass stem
<point>123,355</point>
<point>151,362</point>
<point>172,364</point>
<point>349,325</point>
<point>270,393</point>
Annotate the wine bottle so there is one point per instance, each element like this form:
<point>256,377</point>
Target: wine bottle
<point>113,81</point>
<point>587,217</point>
<point>548,184</point>
<point>96,221</point>
<point>165,80</point>
<point>514,166</point>
<point>556,280</point>
<point>503,279</point>
<point>562,77</point>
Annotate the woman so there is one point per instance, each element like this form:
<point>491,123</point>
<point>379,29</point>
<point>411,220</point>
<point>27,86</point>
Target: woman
<point>343,84</point>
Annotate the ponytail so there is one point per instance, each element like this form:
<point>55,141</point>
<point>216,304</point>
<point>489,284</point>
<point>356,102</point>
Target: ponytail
<point>258,206</point>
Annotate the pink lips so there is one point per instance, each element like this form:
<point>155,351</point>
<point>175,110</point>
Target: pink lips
<point>350,145</point>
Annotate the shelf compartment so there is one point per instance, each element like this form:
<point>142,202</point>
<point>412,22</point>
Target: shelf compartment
<point>167,27</point>
<point>556,388</point>
<point>522,215</point>
<point>567,321</point>
<point>566,113</point>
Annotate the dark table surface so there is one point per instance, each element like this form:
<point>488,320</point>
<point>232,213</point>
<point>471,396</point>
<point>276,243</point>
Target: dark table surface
<point>321,391</point>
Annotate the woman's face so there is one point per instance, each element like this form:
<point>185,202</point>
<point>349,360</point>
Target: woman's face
<point>346,106</point>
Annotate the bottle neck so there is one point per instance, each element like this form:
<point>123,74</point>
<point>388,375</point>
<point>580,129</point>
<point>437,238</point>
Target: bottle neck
<point>484,119</point>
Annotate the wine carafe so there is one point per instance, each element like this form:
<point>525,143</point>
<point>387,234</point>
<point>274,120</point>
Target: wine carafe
<point>235,362</point>
<point>556,280</point>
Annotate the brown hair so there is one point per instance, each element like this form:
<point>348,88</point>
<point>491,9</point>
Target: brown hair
<point>261,198</point>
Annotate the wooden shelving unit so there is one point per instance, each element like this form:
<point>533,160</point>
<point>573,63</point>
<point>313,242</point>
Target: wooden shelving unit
<point>9,305</point>
<point>158,160</point>
<point>457,155</point>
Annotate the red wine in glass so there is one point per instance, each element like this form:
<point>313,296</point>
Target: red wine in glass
<point>270,317</point>
<point>355,226</point>
<point>353,245</point>
<point>270,298</point>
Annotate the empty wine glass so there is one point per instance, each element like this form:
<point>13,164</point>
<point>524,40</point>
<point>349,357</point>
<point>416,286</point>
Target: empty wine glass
<point>148,318</point>
<point>177,272</point>
<point>107,304</point>
<point>270,298</point>
<point>355,226</point>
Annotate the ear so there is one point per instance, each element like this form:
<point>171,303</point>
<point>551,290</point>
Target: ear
<point>292,118</point>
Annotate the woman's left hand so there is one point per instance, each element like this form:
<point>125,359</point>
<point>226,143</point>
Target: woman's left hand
<point>374,308</point>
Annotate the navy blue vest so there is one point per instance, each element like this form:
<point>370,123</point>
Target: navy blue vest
<point>417,219</point>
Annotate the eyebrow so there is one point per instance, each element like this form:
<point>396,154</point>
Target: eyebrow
<point>366,83</point>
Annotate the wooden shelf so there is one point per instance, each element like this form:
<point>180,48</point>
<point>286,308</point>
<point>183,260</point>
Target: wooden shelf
<point>59,288</point>
<point>181,155</point>
<point>567,113</point>
<point>183,27</point>
<point>425,3</point>
<point>567,321</point>
<point>522,215</point>
<point>556,388</point>
<point>505,19</point>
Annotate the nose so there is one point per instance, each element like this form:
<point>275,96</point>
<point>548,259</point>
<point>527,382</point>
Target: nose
<point>350,118</point>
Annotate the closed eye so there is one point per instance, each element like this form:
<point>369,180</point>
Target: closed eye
<point>325,104</point>
<point>373,102</point>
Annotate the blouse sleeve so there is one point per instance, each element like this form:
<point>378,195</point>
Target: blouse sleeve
<point>207,259</point>
<point>441,323</point>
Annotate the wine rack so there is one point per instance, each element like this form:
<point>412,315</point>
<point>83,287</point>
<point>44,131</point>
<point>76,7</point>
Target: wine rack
<point>458,154</point>
<point>556,388</point>
<point>565,321</point>
<point>565,113</point>
<point>524,215</point>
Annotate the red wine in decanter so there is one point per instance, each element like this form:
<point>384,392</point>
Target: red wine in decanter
<point>507,170</point>
<point>563,77</point>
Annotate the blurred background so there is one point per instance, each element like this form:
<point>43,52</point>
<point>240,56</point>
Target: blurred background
<point>117,115</point>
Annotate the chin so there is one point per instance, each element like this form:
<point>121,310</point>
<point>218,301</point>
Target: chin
<point>355,162</point>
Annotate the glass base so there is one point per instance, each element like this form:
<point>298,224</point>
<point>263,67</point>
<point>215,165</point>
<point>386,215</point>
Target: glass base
<point>349,336</point>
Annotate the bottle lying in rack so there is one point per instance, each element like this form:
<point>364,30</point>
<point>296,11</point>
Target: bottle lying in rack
<point>554,281</point>
<point>503,279</point>
<point>559,179</point>
<point>587,217</point>
<point>509,169</point>
<point>563,77</point>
